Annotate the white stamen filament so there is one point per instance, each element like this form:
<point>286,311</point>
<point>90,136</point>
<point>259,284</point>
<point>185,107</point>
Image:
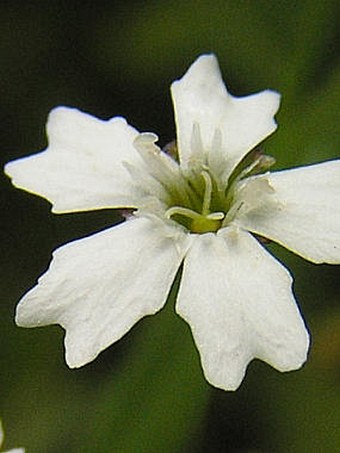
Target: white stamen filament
<point>207,193</point>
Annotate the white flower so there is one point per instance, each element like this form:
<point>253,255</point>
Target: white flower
<point>2,438</point>
<point>201,209</point>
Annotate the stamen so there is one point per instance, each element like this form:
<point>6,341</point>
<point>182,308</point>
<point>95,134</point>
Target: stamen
<point>216,141</point>
<point>196,141</point>
<point>185,212</point>
<point>232,213</point>
<point>216,216</point>
<point>207,193</point>
<point>262,163</point>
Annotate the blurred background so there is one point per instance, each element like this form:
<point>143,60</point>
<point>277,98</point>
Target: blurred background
<point>147,392</point>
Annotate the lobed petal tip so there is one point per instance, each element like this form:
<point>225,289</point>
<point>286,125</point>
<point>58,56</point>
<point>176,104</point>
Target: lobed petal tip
<point>296,359</point>
<point>206,59</point>
<point>228,386</point>
<point>7,169</point>
<point>274,98</point>
<point>204,67</point>
<point>228,379</point>
<point>73,362</point>
<point>59,112</point>
<point>23,316</point>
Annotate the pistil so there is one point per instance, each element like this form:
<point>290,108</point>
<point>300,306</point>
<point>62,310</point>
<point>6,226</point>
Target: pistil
<point>199,222</point>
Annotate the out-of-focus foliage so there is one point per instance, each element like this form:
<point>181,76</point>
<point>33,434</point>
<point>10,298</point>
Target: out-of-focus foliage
<point>147,393</point>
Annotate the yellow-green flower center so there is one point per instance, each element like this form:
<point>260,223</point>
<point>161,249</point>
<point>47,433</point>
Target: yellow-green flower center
<point>206,208</point>
<point>210,204</point>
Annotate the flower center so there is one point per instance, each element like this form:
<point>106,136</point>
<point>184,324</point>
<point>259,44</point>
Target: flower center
<point>196,197</point>
<point>212,204</point>
<point>204,218</point>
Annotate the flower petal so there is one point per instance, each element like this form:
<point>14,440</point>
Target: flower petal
<point>82,168</point>
<point>305,213</point>
<point>239,303</point>
<point>98,287</point>
<point>207,114</point>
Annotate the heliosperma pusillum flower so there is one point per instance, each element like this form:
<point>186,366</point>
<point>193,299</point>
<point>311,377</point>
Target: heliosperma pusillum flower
<point>202,201</point>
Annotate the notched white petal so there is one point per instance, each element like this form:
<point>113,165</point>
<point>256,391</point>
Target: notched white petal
<point>239,304</point>
<point>98,287</point>
<point>82,168</point>
<point>200,97</point>
<point>306,215</point>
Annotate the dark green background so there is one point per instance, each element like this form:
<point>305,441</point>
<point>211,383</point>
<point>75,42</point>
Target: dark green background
<point>147,393</point>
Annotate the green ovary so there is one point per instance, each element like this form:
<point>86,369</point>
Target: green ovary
<point>204,225</point>
<point>202,218</point>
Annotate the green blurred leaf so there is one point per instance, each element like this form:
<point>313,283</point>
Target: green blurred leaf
<point>309,130</point>
<point>157,400</point>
